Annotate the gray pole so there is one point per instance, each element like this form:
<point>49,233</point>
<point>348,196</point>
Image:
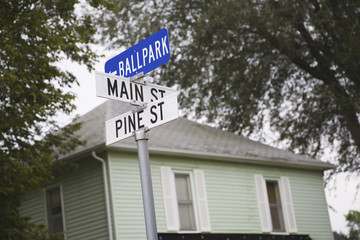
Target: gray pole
<point>141,138</point>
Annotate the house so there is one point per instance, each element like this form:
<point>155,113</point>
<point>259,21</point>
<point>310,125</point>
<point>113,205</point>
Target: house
<point>207,183</point>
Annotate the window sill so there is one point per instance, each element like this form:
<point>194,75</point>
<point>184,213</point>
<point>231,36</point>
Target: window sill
<point>280,233</point>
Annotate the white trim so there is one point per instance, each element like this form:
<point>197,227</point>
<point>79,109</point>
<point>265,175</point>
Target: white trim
<point>63,210</point>
<point>169,196</point>
<point>106,189</point>
<point>112,197</point>
<point>263,204</point>
<point>171,204</point>
<point>62,205</point>
<point>288,205</point>
<point>286,232</point>
<point>202,202</point>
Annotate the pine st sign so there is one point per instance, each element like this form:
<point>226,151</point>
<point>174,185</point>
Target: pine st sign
<point>155,114</point>
<point>119,88</point>
<point>145,56</point>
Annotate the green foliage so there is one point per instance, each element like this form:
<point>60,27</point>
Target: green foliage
<point>34,36</point>
<point>353,219</point>
<point>241,64</point>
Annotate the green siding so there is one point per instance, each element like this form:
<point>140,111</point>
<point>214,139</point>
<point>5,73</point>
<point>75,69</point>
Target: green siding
<point>230,191</point>
<point>34,207</point>
<point>84,202</point>
<point>126,196</point>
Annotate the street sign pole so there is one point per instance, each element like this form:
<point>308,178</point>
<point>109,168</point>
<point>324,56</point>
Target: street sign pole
<point>141,138</point>
<point>156,105</point>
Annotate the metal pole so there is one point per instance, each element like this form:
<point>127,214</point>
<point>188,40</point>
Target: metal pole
<point>141,138</point>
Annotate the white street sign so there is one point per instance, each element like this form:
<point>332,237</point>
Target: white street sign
<point>122,89</point>
<point>156,113</point>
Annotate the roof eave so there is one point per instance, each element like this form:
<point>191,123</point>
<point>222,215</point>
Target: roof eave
<point>97,148</point>
<point>320,166</point>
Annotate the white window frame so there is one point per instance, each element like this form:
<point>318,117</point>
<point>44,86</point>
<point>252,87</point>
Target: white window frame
<point>59,185</point>
<point>282,204</point>
<point>286,204</point>
<point>200,205</point>
<point>194,201</point>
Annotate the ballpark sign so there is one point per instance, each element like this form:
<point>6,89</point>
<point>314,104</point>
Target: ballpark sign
<point>145,56</point>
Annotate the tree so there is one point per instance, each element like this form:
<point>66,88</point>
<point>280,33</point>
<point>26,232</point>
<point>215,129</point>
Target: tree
<point>242,64</point>
<point>34,36</point>
<point>353,219</point>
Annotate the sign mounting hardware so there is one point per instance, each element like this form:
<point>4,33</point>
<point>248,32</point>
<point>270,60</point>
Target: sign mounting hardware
<point>140,106</point>
<point>138,78</point>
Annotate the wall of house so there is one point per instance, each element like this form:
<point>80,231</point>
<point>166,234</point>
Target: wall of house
<point>84,202</point>
<point>231,195</point>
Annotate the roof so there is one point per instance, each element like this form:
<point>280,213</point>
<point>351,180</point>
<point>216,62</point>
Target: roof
<point>187,138</point>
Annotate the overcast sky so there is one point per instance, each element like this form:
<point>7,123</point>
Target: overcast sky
<point>342,199</point>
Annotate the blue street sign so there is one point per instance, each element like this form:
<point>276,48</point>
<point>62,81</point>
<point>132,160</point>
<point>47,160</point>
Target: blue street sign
<point>145,56</point>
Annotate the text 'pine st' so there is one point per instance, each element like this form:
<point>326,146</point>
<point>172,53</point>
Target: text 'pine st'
<point>119,88</point>
<point>155,114</point>
<point>134,121</point>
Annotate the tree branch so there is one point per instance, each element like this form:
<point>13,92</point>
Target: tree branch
<point>323,73</point>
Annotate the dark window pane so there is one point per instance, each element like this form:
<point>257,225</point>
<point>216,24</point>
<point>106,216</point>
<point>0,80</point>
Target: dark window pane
<point>56,224</point>
<point>54,210</point>
<point>277,219</point>
<point>271,189</point>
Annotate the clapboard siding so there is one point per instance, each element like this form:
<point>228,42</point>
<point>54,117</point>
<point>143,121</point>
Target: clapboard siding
<point>34,206</point>
<point>126,196</point>
<point>230,191</point>
<point>84,202</point>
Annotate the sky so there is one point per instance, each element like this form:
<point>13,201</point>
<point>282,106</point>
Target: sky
<point>341,199</point>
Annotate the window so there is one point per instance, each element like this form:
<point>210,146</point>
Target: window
<point>275,204</point>
<point>185,200</point>
<point>276,213</point>
<point>54,209</point>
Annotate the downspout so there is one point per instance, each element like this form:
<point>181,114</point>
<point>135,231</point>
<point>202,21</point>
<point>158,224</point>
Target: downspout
<point>107,200</point>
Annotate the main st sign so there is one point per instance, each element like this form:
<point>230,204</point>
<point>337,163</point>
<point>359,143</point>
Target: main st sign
<point>119,88</point>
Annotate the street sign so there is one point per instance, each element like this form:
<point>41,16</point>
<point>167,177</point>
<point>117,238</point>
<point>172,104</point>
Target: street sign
<point>145,56</point>
<point>156,113</point>
<point>156,105</point>
<point>122,89</point>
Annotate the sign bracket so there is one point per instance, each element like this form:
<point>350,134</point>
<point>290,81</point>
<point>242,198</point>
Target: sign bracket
<point>139,106</point>
<point>138,78</point>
